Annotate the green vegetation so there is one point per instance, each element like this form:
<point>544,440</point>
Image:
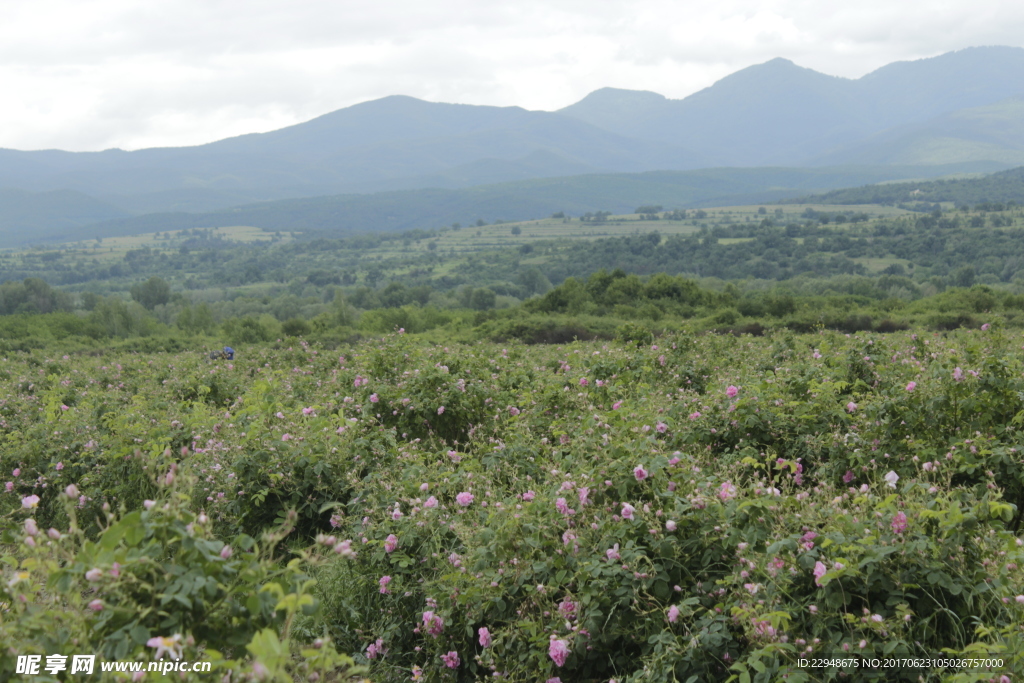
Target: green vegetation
<point>704,506</point>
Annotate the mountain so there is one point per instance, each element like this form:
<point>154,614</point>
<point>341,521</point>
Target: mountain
<point>780,113</point>
<point>959,108</point>
<point>367,147</point>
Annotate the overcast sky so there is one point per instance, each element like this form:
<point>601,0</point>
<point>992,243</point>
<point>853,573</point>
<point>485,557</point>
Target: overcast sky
<point>95,74</point>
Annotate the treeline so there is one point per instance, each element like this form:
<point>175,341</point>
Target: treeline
<point>605,304</point>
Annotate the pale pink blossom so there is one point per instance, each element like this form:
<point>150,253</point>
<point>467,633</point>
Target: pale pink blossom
<point>911,386</point>
<point>819,571</point>
<point>464,499</point>
<point>383,583</point>
<point>390,543</point>
<point>433,623</point>
<point>30,502</point>
<point>639,472</point>
<point>726,490</point>
<point>451,660</point>
<point>851,407</point>
<point>559,651</point>
<point>731,391</point>
<point>430,502</point>
<point>627,511</point>
<point>484,636</point>
<point>96,605</point>
<point>673,614</point>
<point>440,410</point>
<point>899,522</point>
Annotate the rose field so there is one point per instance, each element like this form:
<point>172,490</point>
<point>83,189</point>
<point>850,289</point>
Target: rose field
<point>699,508</point>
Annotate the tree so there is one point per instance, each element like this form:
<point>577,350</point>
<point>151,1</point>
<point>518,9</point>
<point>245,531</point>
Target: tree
<point>152,292</point>
<point>516,230</point>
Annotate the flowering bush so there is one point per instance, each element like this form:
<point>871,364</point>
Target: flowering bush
<point>698,508</point>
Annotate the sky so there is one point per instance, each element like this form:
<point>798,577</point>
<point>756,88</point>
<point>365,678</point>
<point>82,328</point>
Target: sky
<point>96,74</point>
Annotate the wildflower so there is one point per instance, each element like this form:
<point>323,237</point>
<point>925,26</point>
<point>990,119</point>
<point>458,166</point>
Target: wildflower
<point>513,411</point>
<point>958,374</point>
<point>226,552</point>
<point>848,477</point>
<point>286,437</point>
<point>344,548</point>
<point>16,472</point>
<point>54,534</point>
<point>433,623</point>
<point>390,543</point>
<point>891,478</point>
<point>383,583</point>
<point>59,466</point>
<point>430,502</point>
<point>163,645</point>
<point>816,355</point>
<point>661,427</point>
<point>374,398</point>
<point>583,492</point>
<point>451,660</point>
<point>464,499</point>
<point>558,650</point>
<point>335,520</point>
<point>726,490</point>
<point>96,605</point>
<point>899,522</point>
<point>563,507</point>
<point>440,411</point>
<point>9,486</point>
<point>30,527</point>
<point>851,407</point>
<point>71,491</point>
<point>584,381</point>
<point>731,391</point>
<point>670,525</point>
<point>310,411</point>
<point>928,467</point>
<point>376,649</point>
<point>616,405</point>
<point>695,415</point>
<point>911,386</point>
<point>819,571</point>
<point>484,636</point>
<point>984,328</point>
<point>613,553</point>
<point>639,472</point>
<point>528,496</point>
<point>813,609</point>
<point>30,502</point>
<point>627,511</point>
<point>673,614</point>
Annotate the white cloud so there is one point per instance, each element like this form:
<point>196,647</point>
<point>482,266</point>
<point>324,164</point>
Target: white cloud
<point>92,74</point>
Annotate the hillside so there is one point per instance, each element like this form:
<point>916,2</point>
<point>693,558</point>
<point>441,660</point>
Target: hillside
<point>1002,187</point>
<point>537,198</point>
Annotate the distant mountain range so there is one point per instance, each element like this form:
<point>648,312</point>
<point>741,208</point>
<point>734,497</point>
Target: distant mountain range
<point>959,111</point>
